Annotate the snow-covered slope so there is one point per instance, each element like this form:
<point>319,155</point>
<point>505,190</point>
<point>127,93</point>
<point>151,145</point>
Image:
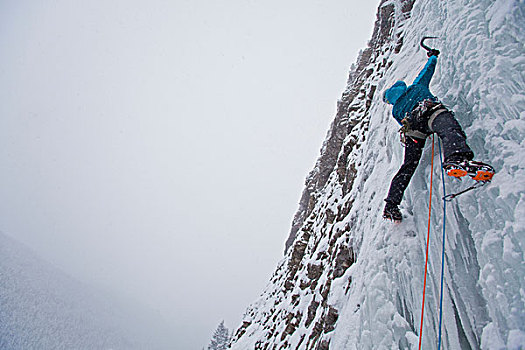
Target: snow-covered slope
<point>43,308</point>
<point>349,279</point>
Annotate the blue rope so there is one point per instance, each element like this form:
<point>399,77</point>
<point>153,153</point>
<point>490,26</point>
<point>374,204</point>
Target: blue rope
<point>443,247</point>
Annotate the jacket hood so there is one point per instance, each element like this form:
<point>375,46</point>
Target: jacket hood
<point>392,94</point>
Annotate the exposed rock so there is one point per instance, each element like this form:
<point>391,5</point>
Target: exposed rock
<point>312,310</point>
<point>344,259</point>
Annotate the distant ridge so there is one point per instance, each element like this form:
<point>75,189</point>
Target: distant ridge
<point>43,308</point>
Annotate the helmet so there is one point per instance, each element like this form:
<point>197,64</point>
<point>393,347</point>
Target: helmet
<point>392,94</point>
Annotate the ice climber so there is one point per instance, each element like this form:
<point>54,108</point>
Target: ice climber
<point>420,114</point>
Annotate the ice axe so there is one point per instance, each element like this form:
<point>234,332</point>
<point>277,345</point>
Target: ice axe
<point>430,51</point>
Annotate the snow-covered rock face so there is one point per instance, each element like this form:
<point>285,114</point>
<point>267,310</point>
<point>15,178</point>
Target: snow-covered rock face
<point>349,279</point>
<point>43,308</point>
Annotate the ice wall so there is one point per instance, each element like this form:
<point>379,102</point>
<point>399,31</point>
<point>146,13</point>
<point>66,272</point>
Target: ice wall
<point>349,279</point>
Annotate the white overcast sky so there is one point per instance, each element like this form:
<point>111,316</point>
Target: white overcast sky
<point>159,148</point>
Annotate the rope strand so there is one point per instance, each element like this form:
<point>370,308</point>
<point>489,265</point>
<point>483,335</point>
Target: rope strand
<point>443,246</point>
<point>428,240</point>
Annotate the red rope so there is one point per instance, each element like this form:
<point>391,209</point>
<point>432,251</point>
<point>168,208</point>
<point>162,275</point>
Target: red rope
<point>428,240</point>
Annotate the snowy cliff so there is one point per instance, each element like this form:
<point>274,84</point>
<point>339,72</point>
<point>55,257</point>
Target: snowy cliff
<point>43,308</point>
<point>350,280</point>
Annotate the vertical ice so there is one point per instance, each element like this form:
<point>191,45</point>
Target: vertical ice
<point>350,280</point>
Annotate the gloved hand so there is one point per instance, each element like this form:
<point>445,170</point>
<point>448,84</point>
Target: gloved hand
<point>433,52</point>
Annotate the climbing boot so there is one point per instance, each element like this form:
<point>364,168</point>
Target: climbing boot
<point>392,212</point>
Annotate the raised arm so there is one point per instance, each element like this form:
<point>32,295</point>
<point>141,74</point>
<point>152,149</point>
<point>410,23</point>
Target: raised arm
<point>427,72</point>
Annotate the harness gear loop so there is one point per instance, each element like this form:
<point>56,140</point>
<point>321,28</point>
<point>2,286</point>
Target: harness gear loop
<point>406,132</point>
<point>403,132</point>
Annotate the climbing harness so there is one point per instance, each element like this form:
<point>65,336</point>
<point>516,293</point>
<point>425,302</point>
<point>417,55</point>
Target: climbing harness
<point>418,123</point>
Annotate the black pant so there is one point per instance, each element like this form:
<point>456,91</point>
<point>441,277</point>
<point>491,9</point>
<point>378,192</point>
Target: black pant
<point>454,146</point>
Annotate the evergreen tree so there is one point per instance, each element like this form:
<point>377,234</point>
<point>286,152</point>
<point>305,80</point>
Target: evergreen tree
<point>220,339</point>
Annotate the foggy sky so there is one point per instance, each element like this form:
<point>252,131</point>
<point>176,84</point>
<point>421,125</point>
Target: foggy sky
<point>159,148</point>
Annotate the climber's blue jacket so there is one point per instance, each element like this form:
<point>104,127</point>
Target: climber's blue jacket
<point>406,98</point>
